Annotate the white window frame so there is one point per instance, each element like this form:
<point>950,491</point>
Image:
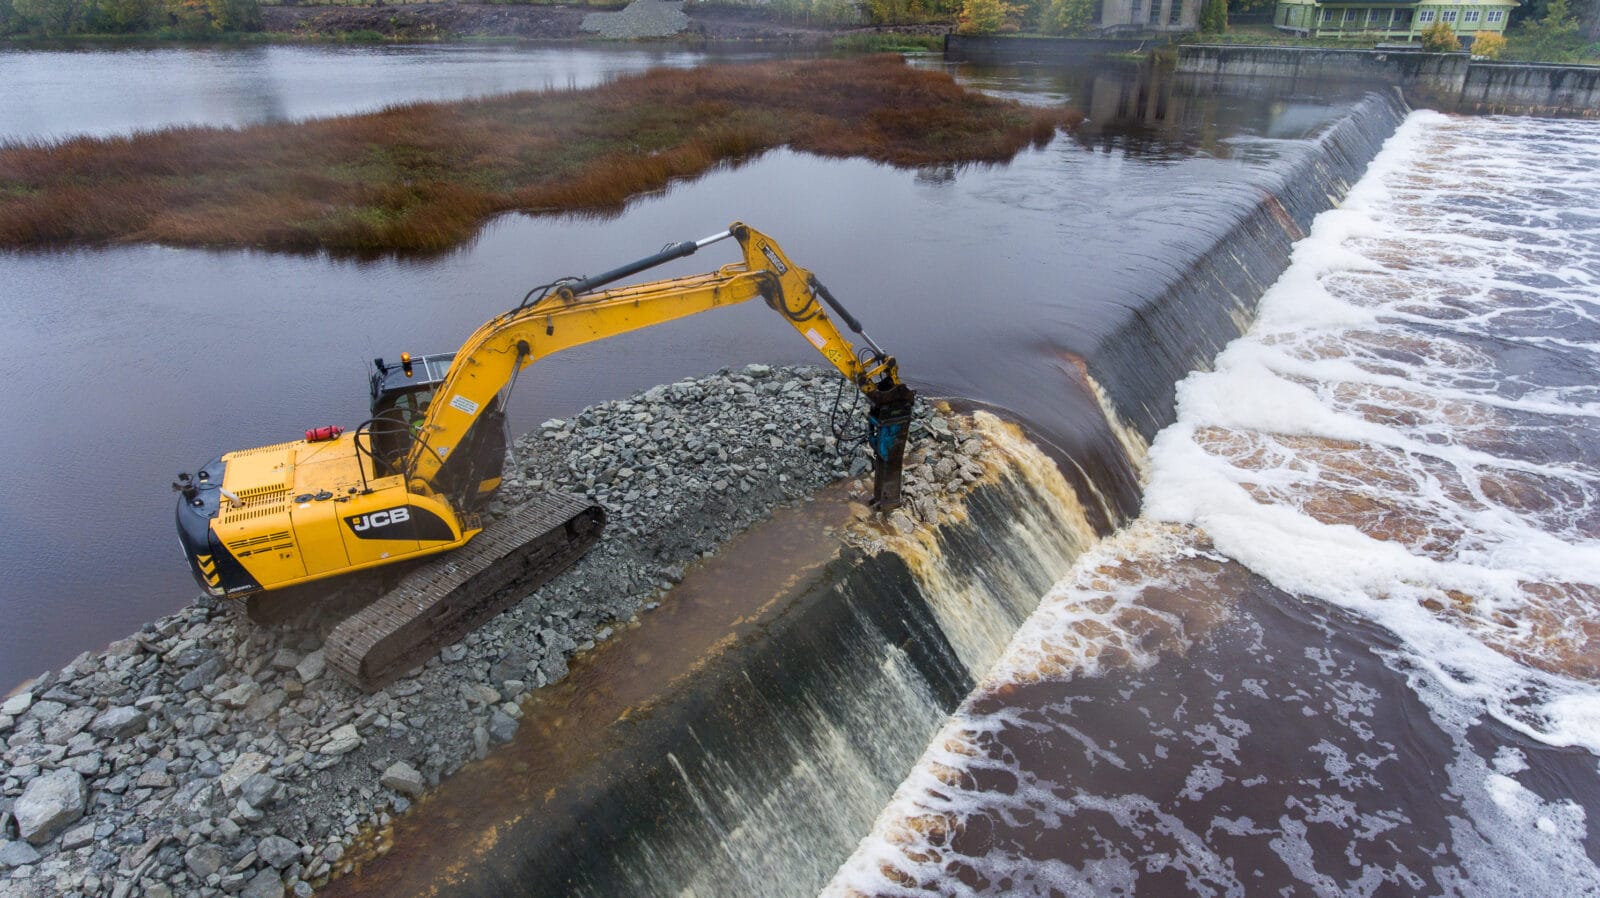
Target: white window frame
<point>1376,17</point>
<point>1424,16</point>
<point>1496,16</point>
<point>1448,16</point>
<point>1327,16</point>
<point>1471,17</point>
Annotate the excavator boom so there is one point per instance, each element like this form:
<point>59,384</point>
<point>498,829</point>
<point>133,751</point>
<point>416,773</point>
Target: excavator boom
<point>405,484</point>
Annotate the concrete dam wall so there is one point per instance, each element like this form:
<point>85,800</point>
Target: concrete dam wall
<point>1449,82</point>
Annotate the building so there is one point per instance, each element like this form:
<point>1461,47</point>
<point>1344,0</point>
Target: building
<point>1390,20</point>
<point>1143,16</point>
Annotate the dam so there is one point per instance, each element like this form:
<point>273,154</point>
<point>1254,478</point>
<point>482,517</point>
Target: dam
<point>1277,577</point>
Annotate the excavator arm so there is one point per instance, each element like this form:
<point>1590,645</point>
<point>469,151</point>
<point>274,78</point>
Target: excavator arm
<point>571,313</point>
<point>260,523</point>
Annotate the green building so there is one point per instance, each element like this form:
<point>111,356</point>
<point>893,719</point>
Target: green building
<point>1390,20</point>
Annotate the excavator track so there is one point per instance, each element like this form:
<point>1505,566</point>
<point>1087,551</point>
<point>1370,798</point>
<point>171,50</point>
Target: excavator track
<point>445,599</point>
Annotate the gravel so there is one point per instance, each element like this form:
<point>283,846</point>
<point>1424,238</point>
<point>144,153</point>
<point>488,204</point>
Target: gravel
<point>211,757</point>
<point>641,19</point>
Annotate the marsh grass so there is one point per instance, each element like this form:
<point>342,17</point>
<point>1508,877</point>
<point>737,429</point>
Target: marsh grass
<point>424,177</point>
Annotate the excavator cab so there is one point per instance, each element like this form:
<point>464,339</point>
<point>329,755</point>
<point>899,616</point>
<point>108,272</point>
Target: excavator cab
<point>401,395</point>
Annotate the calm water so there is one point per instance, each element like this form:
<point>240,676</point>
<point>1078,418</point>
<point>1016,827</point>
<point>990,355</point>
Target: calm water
<point>54,94</point>
<point>132,364</point>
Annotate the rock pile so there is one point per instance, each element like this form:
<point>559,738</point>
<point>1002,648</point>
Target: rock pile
<point>641,19</point>
<point>202,757</point>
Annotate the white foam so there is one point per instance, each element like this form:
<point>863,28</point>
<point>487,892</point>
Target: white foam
<point>1363,312</point>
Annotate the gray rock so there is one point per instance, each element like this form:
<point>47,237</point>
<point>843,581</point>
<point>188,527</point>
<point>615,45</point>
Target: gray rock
<point>248,764</point>
<point>302,889</point>
<point>16,704</point>
<point>511,666</point>
<point>158,890</point>
<point>17,854</point>
<point>77,837</point>
<point>285,659</point>
<point>68,724</point>
<point>240,695</point>
<point>266,884</point>
<point>119,722</point>
<point>50,803</point>
<point>502,727</point>
<point>554,668</point>
<point>201,675</point>
<point>278,851</point>
<point>197,800</point>
<point>403,778</point>
<point>260,790</point>
<point>265,705</point>
<point>204,859</point>
<point>342,740</point>
<point>311,666</point>
<point>87,764</point>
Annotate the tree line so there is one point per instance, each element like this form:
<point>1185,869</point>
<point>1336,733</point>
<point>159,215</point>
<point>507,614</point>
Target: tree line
<point>178,18</point>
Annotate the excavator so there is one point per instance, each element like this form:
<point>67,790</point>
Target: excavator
<point>411,481</point>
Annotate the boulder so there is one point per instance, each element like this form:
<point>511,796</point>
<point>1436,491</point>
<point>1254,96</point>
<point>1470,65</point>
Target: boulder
<point>203,860</point>
<point>278,851</point>
<point>260,790</point>
<point>249,764</point>
<point>50,803</point>
<point>119,722</point>
<point>311,666</point>
<point>405,779</point>
<point>266,884</point>
<point>342,740</point>
<point>17,854</point>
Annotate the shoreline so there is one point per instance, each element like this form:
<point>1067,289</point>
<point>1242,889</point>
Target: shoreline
<point>201,755</point>
<point>709,26</point>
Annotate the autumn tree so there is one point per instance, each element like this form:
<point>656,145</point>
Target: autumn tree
<point>1488,44</point>
<point>1068,17</point>
<point>1440,38</point>
<point>982,16</point>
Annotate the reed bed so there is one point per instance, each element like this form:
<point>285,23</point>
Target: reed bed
<point>424,177</point>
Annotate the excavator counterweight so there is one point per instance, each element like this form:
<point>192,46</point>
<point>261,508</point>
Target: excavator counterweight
<point>406,485</point>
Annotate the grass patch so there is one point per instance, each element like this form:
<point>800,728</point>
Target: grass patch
<point>889,43</point>
<point>424,177</point>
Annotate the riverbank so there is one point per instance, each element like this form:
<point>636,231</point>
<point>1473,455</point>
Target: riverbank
<point>200,756</point>
<point>425,177</point>
<point>419,22</point>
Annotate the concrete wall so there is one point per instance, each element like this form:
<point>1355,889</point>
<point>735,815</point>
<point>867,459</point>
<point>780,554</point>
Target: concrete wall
<point>1531,89</point>
<point>988,48</point>
<point>1451,82</point>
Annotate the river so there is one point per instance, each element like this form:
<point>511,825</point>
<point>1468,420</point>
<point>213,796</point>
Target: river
<point>1348,647</point>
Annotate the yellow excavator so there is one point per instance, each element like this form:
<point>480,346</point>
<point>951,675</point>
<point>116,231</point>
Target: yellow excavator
<point>408,482</point>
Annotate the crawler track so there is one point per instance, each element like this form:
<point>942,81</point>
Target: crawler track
<point>443,600</point>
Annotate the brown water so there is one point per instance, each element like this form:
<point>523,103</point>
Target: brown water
<point>1350,648</point>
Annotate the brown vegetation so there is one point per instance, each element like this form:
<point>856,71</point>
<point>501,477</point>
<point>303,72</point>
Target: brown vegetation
<point>424,177</point>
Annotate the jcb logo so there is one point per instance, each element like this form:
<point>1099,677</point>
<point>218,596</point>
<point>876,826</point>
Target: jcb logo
<point>376,519</point>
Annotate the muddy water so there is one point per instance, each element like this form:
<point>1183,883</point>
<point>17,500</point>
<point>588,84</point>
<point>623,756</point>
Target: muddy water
<point>1350,649</point>
<point>130,364</point>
